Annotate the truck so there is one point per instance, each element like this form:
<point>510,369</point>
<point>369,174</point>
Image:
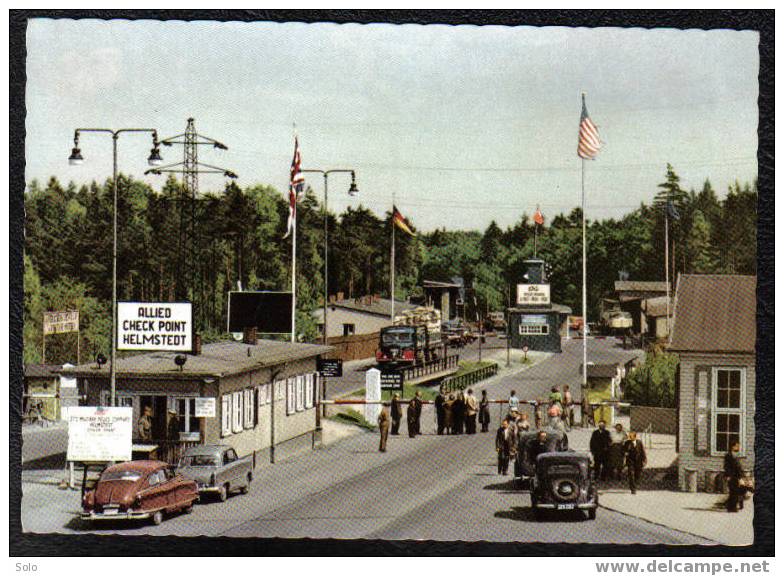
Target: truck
<point>613,320</point>
<point>413,338</point>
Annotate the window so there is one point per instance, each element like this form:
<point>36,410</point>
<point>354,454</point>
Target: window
<point>728,408</point>
<point>349,329</point>
<point>300,391</point>
<point>310,380</point>
<point>125,401</point>
<point>229,456</point>
<point>236,412</point>
<point>226,415</point>
<point>249,404</point>
<point>534,329</point>
<point>291,401</point>
<point>186,414</point>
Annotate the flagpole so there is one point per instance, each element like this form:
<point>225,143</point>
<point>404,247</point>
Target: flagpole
<point>392,261</point>
<point>585,290</point>
<point>294,278</point>
<point>536,231</point>
<point>667,258</point>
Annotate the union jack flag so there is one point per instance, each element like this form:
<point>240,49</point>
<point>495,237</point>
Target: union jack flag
<point>296,187</point>
<point>589,144</point>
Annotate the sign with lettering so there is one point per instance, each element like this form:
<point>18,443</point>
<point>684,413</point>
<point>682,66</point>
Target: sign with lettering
<point>154,326</point>
<point>330,368</point>
<point>533,294</point>
<point>99,434</point>
<point>61,322</point>
<point>205,407</point>
<point>392,381</point>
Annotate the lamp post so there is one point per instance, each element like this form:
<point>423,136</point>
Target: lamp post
<point>353,191</point>
<point>76,159</point>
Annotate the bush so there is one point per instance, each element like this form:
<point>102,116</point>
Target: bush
<point>654,382</point>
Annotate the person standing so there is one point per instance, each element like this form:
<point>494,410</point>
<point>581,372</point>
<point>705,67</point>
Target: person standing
<point>418,401</point>
<point>471,408</point>
<point>555,396</point>
<point>586,414</point>
<point>440,412</point>
<point>733,472</point>
<point>411,418</point>
<point>484,411</point>
<point>396,413</point>
<point>539,446</point>
<point>458,414</point>
<point>144,425</point>
<point>568,402</point>
<point>636,460</point>
<point>383,428</point>
<point>504,446</point>
<point>449,414</point>
<point>554,419</point>
<point>514,402</point>
<point>618,439</point>
<point>600,448</point>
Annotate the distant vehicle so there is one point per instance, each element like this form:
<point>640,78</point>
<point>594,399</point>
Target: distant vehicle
<point>217,470</point>
<point>139,490</point>
<point>564,481</point>
<point>575,323</point>
<point>456,333</point>
<point>613,320</point>
<point>414,338</point>
<point>496,321</point>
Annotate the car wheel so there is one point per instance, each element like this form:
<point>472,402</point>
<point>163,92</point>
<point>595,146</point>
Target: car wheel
<point>223,493</point>
<point>592,514</point>
<point>188,509</point>
<point>157,517</point>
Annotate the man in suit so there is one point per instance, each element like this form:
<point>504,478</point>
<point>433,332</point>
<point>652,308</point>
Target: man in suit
<point>418,399</point>
<point>383,428</point>
<point>735,475</point>
<point>471,409</point>
<point>440,412</point>
<point>636,460</point>
<point>411,418</point>
<point>539,446</point>
<point>396,413</point>
<point>600,449</point>
<point>504,446</point>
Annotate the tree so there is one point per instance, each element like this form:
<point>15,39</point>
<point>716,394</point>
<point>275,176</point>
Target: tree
<point>702,255</point>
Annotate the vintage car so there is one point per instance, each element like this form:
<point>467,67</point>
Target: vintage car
<point>525,464</point>
<point>216,469</point>
<point>563,482</point>
<point>139,490</point>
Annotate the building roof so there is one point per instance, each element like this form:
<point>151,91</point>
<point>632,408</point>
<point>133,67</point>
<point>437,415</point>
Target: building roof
<point>560,308</point>
<point>715,313</point>
<point>41,370</point>
<point>216,360</point>
<point>601,370</point>
<point>434,284</point>
<point>370,305</point>
<point>655,307</point>
<point>640,286</point>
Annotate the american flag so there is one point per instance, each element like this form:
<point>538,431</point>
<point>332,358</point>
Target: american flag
<point>589,143</point>
<point>296,186</point>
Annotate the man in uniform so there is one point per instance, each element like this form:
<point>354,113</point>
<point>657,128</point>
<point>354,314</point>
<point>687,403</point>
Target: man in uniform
<point>736,478</point>
<point>635,460</point>
<point>418,400</point>
<point>144,425</point>
<point>383,428</point>
<point>397,414</point>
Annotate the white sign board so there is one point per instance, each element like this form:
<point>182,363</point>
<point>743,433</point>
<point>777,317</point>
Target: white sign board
<point>154,326</point>
<point>67,381</point>
<point>61,322</point>
<point>372,394</point>
<point>533,294</point>
<point>99,434</point>
<point>205,408</point>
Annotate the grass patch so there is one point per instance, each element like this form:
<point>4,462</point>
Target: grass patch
<point>353,417</point>
<point>600,393</point>
<point>464,366</point>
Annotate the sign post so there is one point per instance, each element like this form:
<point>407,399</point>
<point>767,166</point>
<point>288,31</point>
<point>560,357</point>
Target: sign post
<point>99,434</point>
<point>372,394</point>
<point>533,294</point>
<point>392,381</point>
<point>155,326</point>
<point>61,323</point>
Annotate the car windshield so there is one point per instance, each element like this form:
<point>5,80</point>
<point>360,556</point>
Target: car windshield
<point>129,475</point>
<point>399,336</point>
<point>201,460</point>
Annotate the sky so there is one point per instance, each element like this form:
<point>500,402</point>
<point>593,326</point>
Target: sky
<point>460,125</point>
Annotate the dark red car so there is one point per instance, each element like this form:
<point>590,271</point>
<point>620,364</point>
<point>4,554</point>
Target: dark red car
<point>139,489</point>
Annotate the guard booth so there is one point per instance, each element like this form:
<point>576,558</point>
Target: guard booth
<point>535,321</point>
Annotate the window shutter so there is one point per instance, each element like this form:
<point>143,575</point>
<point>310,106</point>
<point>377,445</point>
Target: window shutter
<point>248,404</point>
<point>236,401</point>
<point>309,390</point>
<point>702,413</point>
<point>226,415</point>
<point>300,393</point>
<point>291,405</point>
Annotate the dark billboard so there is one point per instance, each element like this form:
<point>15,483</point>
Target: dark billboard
<point>268,312</point>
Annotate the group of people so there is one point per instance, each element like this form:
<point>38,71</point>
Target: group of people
<point>616,450</point>
<point>457,413</point>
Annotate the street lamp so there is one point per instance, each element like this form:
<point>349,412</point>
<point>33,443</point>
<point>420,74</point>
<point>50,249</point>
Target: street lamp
<point>76,159</point>
<point>352,191</point>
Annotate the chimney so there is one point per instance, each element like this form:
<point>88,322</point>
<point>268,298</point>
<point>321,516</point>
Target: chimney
<point>249,335</point>
<point>196,347</point>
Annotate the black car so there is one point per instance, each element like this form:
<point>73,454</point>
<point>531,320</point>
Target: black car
<point>563,482</point>
<point>525,462</point>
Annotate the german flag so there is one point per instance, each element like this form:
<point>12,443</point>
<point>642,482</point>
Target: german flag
<point>401,222</point>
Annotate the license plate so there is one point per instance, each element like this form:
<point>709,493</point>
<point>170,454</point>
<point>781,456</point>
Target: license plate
<point>110,511</point>
<point>566,507</point>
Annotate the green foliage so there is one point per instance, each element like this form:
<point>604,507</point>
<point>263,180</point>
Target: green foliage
<point>654,382</point>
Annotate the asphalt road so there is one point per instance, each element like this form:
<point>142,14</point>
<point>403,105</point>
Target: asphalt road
<point>430,487</point>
